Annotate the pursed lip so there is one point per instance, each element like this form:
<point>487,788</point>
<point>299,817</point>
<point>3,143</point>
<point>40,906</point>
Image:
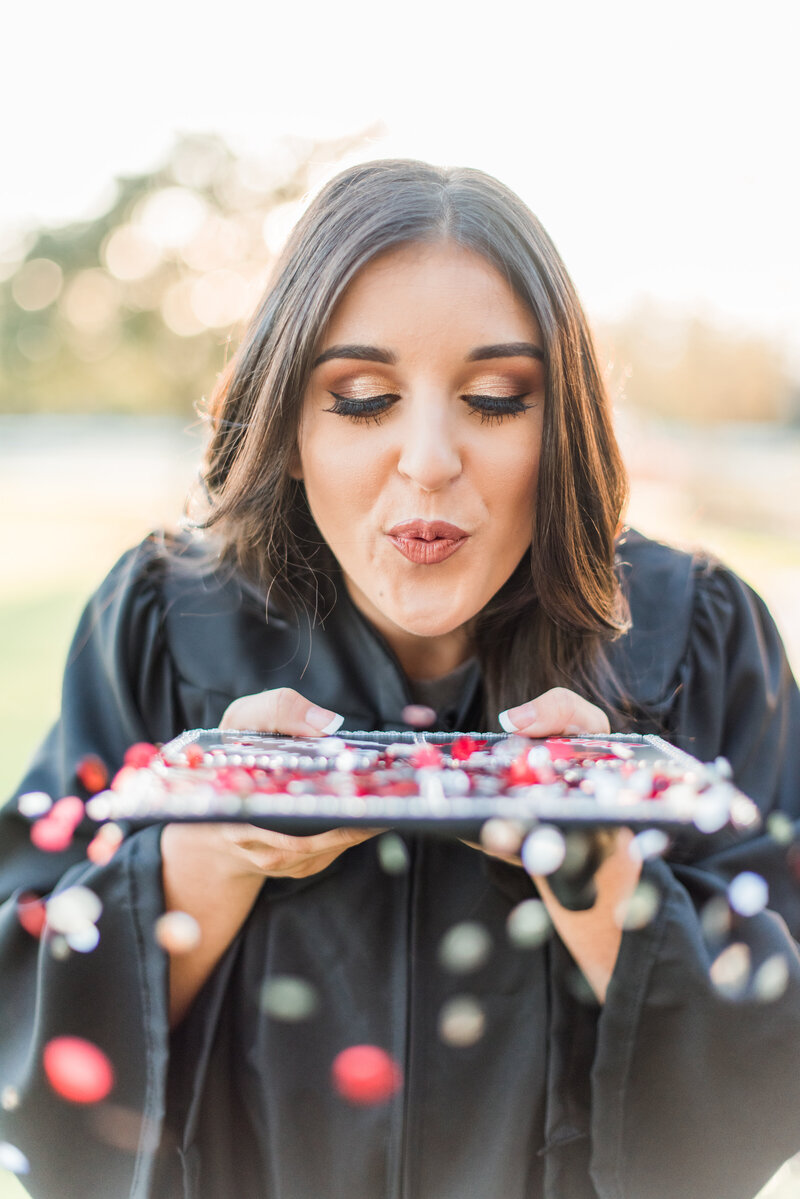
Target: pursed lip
<point>427,542</point>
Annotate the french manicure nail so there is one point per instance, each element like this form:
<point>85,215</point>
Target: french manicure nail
<point>323,721</point>
<point>514,719</point>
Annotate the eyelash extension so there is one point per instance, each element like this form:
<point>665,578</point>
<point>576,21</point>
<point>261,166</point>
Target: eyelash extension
<point>370,408</point>
<point>491,409</point>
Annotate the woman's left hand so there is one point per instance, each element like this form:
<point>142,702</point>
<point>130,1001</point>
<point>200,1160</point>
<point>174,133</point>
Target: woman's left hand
<point>555,713</point>
<point>592,937</point>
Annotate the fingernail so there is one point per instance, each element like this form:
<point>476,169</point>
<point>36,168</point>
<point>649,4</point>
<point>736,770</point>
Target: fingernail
<point>514,719</point>
<point>324,721</point>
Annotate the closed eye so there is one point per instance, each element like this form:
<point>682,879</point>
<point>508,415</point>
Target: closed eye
<point>490,408</point>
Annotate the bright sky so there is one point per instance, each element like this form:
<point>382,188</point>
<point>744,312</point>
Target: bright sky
<point>658,144</point>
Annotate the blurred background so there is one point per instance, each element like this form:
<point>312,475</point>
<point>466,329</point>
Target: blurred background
<point>152,171</point>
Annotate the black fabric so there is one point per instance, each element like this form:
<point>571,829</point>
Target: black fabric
<point>671,1091</point>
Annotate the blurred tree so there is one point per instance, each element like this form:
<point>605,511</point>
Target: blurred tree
<point>134,311</point>
<point>685,368</point>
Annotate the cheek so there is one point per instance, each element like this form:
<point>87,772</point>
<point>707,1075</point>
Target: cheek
<point>341,475</point>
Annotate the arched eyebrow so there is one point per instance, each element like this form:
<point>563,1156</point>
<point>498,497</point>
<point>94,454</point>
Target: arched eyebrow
<point>509,349</point>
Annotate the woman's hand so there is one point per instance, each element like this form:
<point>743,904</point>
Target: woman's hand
<point>215,871</point>
<point>593,937</point>
<point>555,713</point>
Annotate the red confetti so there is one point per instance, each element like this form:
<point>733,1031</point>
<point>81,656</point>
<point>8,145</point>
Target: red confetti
<point>194,756</point>
<point>560,750</point>
<point>464,747</point>
<point>104,844</point>
<point>140,754</point>
<point>92,773</point>
<point>67,812</point>
<point>521,773</point>
<point>426,755</point>
<point>50,835</point>
<point>31,913</point>
<point>77,1070</point>
<point>365,1075</point>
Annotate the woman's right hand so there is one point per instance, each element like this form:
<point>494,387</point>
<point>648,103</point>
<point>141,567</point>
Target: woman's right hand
<point>272,854</point>
<point>215,871</point>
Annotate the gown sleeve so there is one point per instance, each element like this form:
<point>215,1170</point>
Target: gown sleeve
<point>696,1075</point>
<point>118,689</point>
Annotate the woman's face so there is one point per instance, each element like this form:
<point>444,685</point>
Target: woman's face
<point>419,444</point>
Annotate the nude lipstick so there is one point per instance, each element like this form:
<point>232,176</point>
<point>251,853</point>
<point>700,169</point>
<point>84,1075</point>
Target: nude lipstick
<point>427,542</point>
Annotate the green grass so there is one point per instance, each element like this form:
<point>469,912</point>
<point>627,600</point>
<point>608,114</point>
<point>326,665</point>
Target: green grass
<point>35,634</point>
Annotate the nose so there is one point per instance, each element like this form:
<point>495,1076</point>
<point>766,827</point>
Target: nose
<point>430,455</point>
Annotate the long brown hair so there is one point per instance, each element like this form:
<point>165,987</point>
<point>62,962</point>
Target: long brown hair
<point>548,624</point>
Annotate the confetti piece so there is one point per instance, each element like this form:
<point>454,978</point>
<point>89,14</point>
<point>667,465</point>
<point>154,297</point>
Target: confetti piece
<point>59,948</point>
<point>77,1070</point>
<point>193,755</point>
<point>465,947</point>
<point>392,854</point>
<point>67,812</point>
<point>92,773</point>
<point>748,893</point>
<point>502,837</point>
<point>13,1159</point>
<point>731,970</point>
<point>289,998</point>
<point>426,756</point>
<point>461,1021</point>
<point>140,754</point>
<point>84,940</point>
<point>50,836</point>
<point>529,924</point>
<point>418,716</point>
<point>9,1098</point>
<point>73,910</point>
<point>715,919</point>
<point>780,828</point>
<point>177,932</point>
<point>650,843</point>
<point>31,913</point>
<point>543,850</point>
<point>639,910</point>
<point>771,979</point>
<point>34,804</point>
<point>104,844</point>
<point>365,1075</point>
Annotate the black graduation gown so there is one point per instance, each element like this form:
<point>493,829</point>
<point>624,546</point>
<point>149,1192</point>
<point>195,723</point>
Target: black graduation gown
<point>672,1090</point>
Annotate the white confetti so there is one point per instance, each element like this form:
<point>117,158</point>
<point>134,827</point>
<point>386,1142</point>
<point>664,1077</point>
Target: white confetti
<point>639,910</point>
<point>529,924</point>
<point>13,1159</point>
<point>393,854</point>
<point>501,836</point>
<point>289,998</point>
<point>543,850</point>
<point>465,947</point>
<point>650,843</point>
<point>461,1021</point>
<point>70,911</point>
<point>84,940</point>
<point>177,932</point>
<point>771,979</point>
<point>34,804</point>
<point>748,893</point>
<point>730,971</point>
<point>9,1098</point>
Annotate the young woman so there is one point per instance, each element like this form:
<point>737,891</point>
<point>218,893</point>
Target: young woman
<point>413,495</point>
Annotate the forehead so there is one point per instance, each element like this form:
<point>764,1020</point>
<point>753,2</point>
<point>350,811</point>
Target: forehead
<point>440,289</point>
